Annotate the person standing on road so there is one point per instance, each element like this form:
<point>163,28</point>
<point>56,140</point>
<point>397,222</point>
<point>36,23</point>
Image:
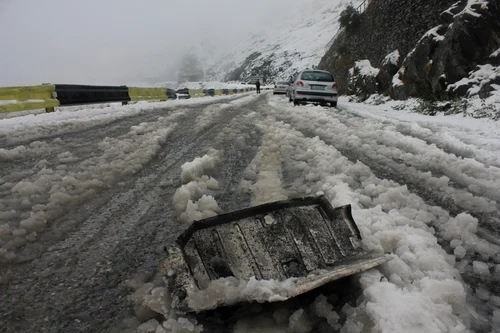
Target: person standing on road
<point>257,85</point>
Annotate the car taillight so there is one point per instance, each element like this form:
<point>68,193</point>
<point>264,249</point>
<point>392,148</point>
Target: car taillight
<point>335,86</point>
<point>300,83</point>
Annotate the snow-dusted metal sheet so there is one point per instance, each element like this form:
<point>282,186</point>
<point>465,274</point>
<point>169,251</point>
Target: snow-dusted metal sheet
<point>304,241</point>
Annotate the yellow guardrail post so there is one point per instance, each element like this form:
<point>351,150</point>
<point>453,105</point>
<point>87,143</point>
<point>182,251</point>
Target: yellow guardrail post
<point>28,98</point>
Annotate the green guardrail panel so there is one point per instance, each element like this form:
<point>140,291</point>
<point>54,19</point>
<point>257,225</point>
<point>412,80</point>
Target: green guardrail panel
<point>196,93</point>
<point>147,94</point>
<point>26,105</point>
<point>14,99</point>
<point>43,92</point>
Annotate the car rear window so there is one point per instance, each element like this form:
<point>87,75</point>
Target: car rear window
<point>283,83</point>
<point>317,76</point>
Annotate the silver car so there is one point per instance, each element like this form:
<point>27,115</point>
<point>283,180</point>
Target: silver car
<point>314,86</point>
<point>281,87</point>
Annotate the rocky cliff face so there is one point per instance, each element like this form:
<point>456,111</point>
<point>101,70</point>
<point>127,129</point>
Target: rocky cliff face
<point>467,38</point>
<point>436,50</point>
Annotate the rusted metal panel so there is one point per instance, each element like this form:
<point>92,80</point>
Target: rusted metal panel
<point>306,240</point>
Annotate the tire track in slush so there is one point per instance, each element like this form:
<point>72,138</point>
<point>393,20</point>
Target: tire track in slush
<point>76,286</point>
<point>456,180</point>
<point>430,197</point>
<point>297,181</point>
<point>104,126</point>
<point>80,142</point>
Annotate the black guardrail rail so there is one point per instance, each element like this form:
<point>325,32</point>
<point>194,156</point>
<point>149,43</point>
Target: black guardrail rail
<point>75,94</point>
<point>209,92</point>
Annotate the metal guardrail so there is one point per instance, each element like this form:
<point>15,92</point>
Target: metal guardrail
<point>360,9</point>
<point>362,6</point>
<point>330,43</point>
<point>48,96</point>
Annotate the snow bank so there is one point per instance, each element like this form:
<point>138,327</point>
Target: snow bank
<point>482,75</point>
<point>474,138</point>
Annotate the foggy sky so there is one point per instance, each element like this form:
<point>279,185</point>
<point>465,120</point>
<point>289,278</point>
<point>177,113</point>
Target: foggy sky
<point>112,41</point>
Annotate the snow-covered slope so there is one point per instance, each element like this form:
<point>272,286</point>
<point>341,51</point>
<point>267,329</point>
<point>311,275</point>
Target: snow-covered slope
<point>296,40</point>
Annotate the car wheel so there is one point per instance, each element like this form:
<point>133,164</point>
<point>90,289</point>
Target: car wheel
<point>333,104</point>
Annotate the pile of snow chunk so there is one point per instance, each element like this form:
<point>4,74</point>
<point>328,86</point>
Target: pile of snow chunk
<point>151,304</point>
<point>230,291</point>
<point>385,145</point>
<point>317,316</point>
<point>199,166</point>
<point>191,201</point>
<point>422,275</point>
<point>430,307</point>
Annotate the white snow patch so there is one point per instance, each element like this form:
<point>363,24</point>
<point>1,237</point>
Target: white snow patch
<point>396,81</point>
<point>469,10</point>
<point>392,58</point>
<point>434,34</point>
<point>364,68</point>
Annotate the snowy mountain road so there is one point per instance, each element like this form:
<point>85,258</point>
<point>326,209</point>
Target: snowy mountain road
<point>88,203</point>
